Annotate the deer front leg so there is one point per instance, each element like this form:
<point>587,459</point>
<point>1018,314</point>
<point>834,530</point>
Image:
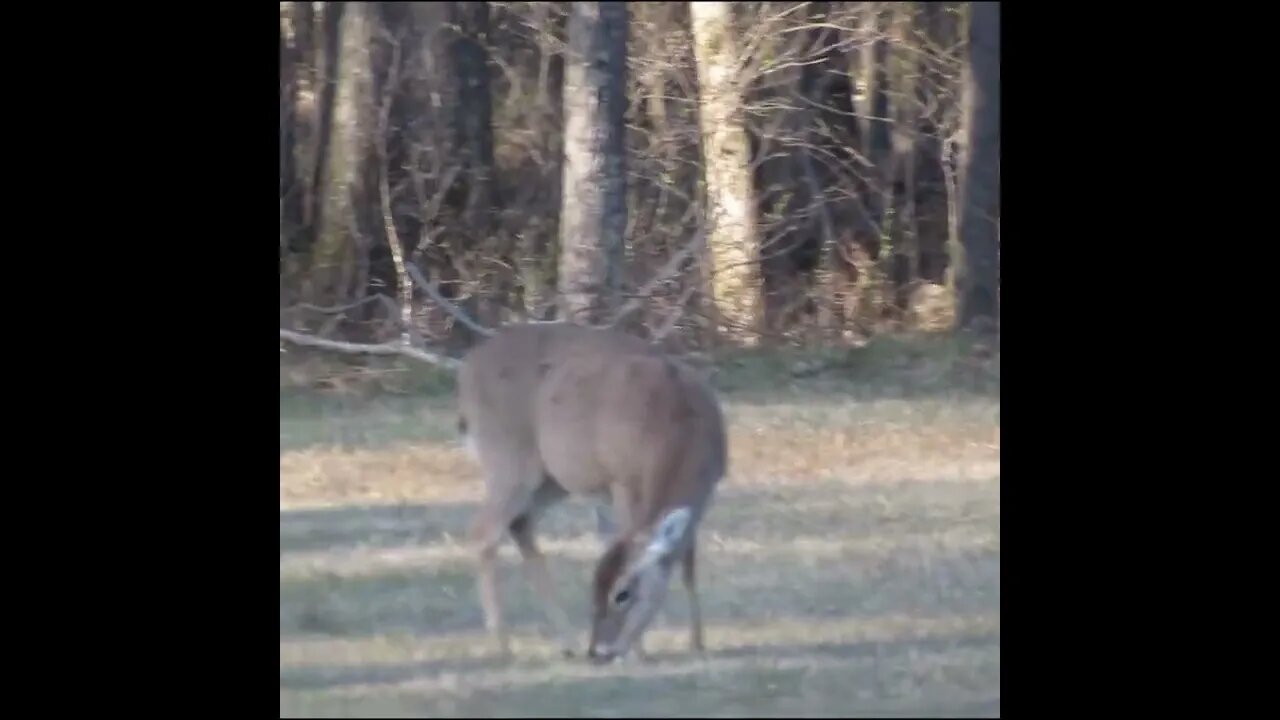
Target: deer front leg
<point>688,575</point>
<point>488,584</point>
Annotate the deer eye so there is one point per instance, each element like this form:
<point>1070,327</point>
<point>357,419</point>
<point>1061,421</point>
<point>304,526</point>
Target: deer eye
<point>622,597</point>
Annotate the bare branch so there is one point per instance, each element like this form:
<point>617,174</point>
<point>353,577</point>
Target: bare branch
<point>367,349</point>
<point>674,318</point>
<point>431,289</point>
<point>666,271</point>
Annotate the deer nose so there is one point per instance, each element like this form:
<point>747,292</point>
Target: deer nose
<point>600,655</point>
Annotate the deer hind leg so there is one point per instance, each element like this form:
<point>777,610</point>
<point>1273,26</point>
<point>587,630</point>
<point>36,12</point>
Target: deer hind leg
<point>688,574</point>
<point>491,525</point>
<point>487,578</point>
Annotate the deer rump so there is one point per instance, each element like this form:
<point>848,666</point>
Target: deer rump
<point>555,410</point>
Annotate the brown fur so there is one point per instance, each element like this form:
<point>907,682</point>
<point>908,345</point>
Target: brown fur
<point>609,568</point>
<point>558,409</point>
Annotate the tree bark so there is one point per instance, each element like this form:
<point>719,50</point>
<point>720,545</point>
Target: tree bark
<point>977,278</point>
<point>319,123</point>
<point>929,181</point>
<point>731,224</point>
<point>537,254</point>
<point>343,184</point>
<point>290,200</point>
<point>832,128</point>
<point>593,198</point>
<point>476,200</point>
<point>876,129</point>
<point>299,106</point>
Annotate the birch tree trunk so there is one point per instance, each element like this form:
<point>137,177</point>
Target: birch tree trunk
<point>731,226</point>
<point>593,211</point>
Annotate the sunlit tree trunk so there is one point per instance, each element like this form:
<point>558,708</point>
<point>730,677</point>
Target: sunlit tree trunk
<point>731,225</point>
<point>593,196</point>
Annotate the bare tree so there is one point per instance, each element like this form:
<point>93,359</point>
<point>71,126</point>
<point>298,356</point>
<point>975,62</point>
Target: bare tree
<point>977,274</point>
<point>726,157</point>
<point>593,198</point>
<point>792,170</point>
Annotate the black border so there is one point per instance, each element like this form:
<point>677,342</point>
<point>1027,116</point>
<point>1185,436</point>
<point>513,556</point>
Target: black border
<point>182,128</point>
<point>1090,117</point>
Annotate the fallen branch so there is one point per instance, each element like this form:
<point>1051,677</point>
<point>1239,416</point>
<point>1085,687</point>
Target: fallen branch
<point>332,310</point>
<point>391,348</point>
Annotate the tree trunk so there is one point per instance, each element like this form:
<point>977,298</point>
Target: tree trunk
<point>876,128</point>
<point>929,186</point>
<point>977,278</point>
<point>731,226</point>
<point>290,200</point>
<point>319,121</point>
<point>832,128</point>
<point>476,201</point>
<point>537,252</point>
<point>299,61</point>
<point>342,187</point>
<point>593,198</point>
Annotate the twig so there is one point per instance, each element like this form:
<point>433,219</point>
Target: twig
<point>666,271</point>
<point>676,315</point>
<point>366,349</point>
<point>454,310</point>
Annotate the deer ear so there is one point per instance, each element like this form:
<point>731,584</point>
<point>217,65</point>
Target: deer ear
<point>669,533</point>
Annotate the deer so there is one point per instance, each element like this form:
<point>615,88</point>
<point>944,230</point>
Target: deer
<point>553,410</point>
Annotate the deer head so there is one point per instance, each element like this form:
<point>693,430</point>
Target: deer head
<point>631,586</point>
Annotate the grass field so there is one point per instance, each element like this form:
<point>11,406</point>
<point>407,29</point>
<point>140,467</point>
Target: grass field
<point>849,567</point>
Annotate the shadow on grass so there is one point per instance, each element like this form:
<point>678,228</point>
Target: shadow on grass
<point>928,548</point>
<point>763,514</point>
<point>380,526</point>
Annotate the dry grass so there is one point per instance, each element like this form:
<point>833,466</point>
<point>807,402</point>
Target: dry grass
<point>850,567</point>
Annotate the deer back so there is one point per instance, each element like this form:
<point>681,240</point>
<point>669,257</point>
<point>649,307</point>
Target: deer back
<point>638,422</point>
<point>500,377</point>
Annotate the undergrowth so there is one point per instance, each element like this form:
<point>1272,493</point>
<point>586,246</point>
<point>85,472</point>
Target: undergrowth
<point>888,365</point>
